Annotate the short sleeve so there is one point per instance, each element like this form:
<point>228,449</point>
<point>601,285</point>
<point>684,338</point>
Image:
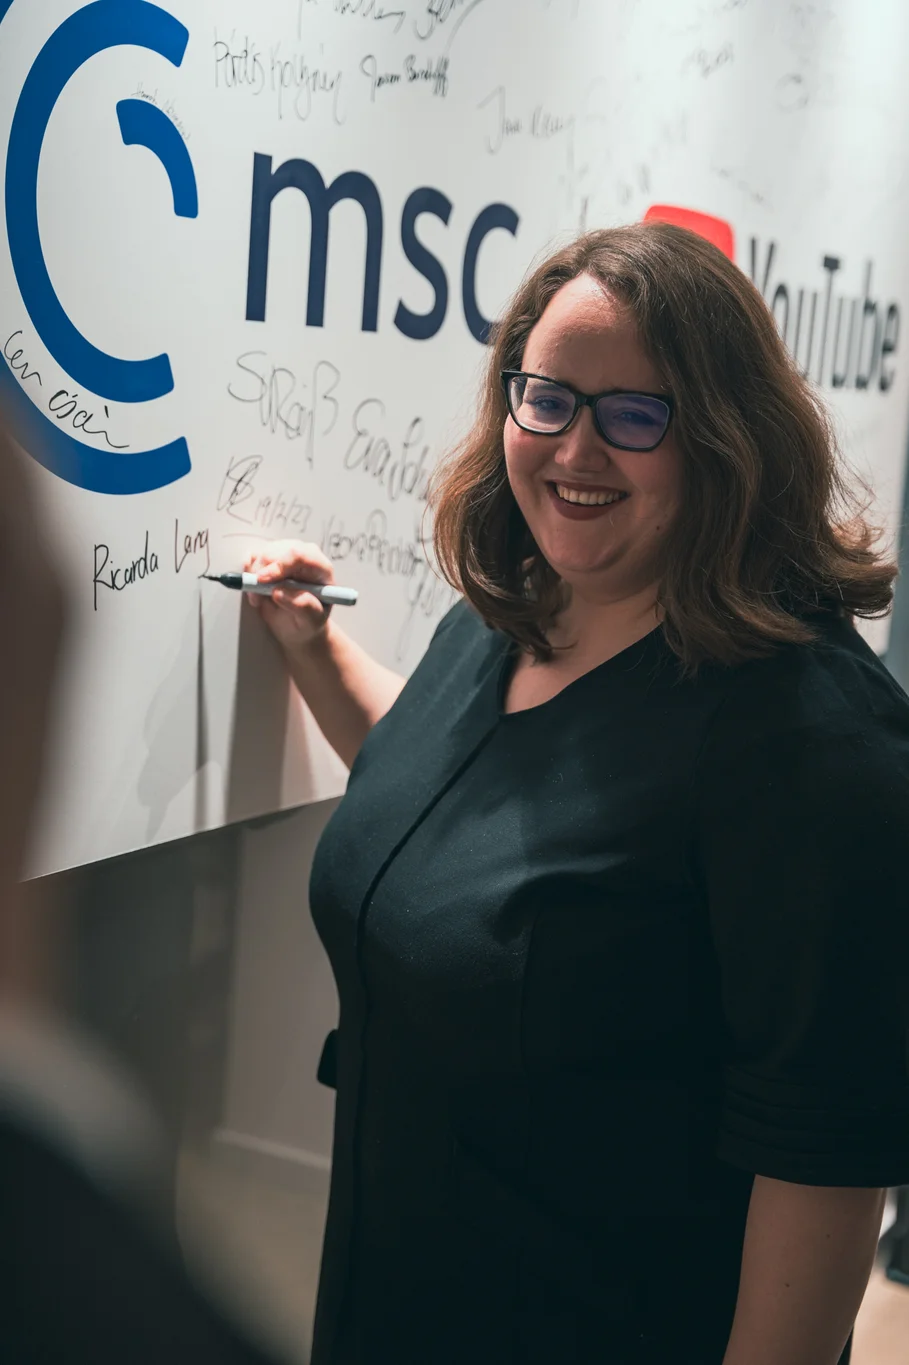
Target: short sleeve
<point>803,836</point>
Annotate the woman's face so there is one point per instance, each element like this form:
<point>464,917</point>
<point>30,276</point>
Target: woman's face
<point>587,339</point>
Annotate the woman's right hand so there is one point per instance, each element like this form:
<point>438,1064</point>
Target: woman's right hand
<point>296,619</point>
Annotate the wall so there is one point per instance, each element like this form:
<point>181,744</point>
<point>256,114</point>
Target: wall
<point>197,963</point>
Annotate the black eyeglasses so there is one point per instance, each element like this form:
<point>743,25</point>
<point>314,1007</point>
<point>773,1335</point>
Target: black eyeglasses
<point>625,419</point>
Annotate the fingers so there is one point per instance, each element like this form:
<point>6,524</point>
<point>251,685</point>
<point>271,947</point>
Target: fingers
<point>290,559</point>
<point>256,560</point>
<point>299,601</point>
<point>293,615</point>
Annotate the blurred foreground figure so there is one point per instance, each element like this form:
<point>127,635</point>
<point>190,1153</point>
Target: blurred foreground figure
<point>84,1275</point>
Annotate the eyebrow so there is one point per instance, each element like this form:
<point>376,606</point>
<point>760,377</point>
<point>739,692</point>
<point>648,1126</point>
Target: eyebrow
<point>661,392</point>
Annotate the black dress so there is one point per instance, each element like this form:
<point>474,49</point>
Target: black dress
<point>599,963</point>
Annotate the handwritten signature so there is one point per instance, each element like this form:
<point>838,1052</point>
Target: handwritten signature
<point>240,499</point>
<point>541,125</point>
<point>430,73</point>
<point>438,12</point>
<point>168,107</point>
<point>425,592</point>
<point>304,83</point>
<point>240,66</point>
<point>18,361</point>
<point>285,404</point>
<point>119,578</point>
<point>361,9</point>
<point>296,83</point>
<point>402,471</point>
<point>62,405</point>
<point>191,543</point>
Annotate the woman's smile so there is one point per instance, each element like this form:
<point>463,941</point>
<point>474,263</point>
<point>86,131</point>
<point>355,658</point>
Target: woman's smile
<point>582,502</point>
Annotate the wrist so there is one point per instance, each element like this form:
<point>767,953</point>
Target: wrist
<point>315,650</point>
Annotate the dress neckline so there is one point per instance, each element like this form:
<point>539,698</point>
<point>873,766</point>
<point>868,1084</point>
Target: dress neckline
<point>625,661</point>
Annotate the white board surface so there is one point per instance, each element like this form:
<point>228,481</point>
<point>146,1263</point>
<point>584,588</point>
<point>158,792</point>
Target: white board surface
<point>206,389</point>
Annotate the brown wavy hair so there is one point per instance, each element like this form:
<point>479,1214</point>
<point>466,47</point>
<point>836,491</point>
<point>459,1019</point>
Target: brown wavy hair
<point>769,535</point>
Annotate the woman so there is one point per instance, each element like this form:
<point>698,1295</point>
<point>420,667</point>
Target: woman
<point>614,898</point>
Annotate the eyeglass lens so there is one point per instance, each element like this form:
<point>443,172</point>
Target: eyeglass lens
<point>633,420</point>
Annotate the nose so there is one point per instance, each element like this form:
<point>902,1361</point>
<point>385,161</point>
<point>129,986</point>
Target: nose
<point>582,447</point>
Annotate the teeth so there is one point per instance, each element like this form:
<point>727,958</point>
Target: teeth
<point>586,499</point>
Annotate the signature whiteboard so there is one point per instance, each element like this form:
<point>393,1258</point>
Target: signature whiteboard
<point>252,253</point>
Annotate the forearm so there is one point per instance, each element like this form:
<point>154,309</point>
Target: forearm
<point>344,687</point>
<point>808,1254</point>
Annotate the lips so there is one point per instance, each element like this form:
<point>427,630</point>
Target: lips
<point>597,502</point>
<point>589,497</point>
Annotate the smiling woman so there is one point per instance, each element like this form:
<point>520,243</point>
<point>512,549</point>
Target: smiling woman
<point>581,1004</point>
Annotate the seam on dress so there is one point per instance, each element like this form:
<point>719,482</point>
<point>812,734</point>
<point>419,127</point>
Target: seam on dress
<point>693,802</point>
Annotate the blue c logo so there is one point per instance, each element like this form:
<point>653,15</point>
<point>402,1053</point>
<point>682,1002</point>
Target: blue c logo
<point>91,30</point>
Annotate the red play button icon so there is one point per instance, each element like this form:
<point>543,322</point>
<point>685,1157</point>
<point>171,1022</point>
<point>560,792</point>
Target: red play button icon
<point>716,230</point>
